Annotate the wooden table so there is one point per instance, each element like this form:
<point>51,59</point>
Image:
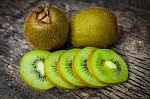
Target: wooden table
<point>133,44</point>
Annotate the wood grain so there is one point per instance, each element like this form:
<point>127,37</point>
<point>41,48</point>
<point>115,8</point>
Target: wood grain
<point>133,45</point>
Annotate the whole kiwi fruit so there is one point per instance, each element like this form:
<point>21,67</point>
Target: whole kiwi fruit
<point>95,27</point>
<point>46,28</point>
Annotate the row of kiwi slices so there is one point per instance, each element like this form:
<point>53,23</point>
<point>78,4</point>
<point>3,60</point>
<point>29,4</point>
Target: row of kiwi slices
<point>74,68</point>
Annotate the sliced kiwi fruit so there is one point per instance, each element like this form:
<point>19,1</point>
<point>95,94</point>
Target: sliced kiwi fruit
<point>94,26</point>
<point>51,71</point>
<point>107,66</point>
<point>46,28</point>
<point>81,70</point>
<point>32,70</point>
<point>65,68</point>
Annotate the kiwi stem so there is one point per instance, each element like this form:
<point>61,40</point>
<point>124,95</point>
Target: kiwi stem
<point>44,16</point>
<point>46,11</point>
<point>41,15</point>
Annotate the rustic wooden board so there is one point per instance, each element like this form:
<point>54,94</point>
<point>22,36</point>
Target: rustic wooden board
<point>133,45</point>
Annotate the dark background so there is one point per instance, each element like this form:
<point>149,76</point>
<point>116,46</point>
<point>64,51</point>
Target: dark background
<point>133,44</point>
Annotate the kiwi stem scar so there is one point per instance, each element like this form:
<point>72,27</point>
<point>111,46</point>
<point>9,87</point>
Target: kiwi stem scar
<point>44,16</point>
<point>110,64</point>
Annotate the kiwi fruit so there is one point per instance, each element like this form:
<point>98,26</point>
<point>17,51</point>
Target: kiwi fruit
<point>51,71</point>
<point>65,68</point>
<point>74,68</point>
<point>81,70</point>
<point>46,28</point>
<point>93,26</point>
<point>107,66</point>
<point>32,70</point>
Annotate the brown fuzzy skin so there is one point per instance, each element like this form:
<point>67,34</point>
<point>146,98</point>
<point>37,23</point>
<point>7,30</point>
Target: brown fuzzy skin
<point>95,27</point>
<point>50,35</point>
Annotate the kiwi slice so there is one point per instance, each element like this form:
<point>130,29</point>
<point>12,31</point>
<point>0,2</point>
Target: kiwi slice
<point>80,67</point>
<point>51,72</point>
<point>32,69</point>
<point>107,66</point>
<point>65,68</point>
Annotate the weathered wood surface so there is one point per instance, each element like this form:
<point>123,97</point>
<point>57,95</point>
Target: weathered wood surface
<point>133,45</point>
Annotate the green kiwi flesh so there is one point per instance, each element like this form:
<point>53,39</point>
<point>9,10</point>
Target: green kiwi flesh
<point>32,70</point>
<point>107,66</point>
<point>65,68</point>
<point>51,71</point>
<point>80,67</point>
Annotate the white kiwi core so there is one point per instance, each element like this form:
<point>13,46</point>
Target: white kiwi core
<point>40,67</point>
<point>110,65</point>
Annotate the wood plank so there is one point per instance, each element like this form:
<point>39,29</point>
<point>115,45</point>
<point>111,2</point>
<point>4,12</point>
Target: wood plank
<point>13,46</point>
